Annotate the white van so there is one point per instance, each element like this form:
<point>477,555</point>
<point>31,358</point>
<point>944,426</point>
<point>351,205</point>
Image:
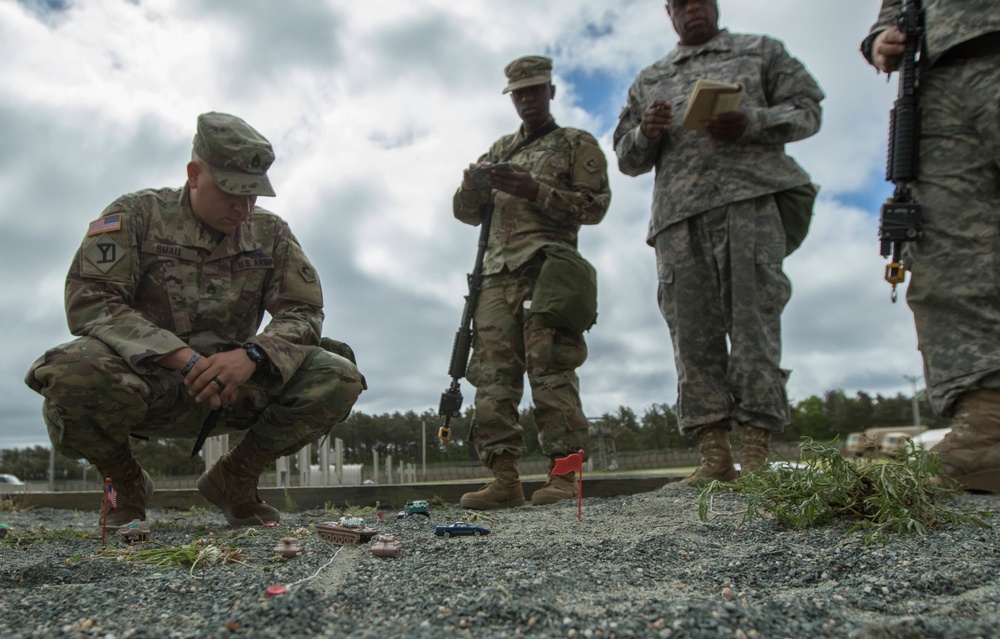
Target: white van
<point>11,484</point>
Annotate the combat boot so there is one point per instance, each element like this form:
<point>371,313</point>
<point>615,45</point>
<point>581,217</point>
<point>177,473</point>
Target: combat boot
<point>716,458</point>
<point>504,491</point>
<point>231,484</point>
<point>556,488</point>
<point>755,443</point>
<point>132,485</point>
<point>970,453</point>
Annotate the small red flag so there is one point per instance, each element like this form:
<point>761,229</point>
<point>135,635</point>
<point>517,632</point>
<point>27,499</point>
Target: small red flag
<point>568,464</point>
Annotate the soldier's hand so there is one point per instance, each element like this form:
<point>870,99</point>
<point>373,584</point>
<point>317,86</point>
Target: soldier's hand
<point>656,118</point>
<point>466,180</point>
<point>728,126</point>
<point>888,49</point>
<point>216,379</point>
<point>517,182</point>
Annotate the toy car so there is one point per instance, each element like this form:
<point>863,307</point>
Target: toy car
<point>460,528</point>
<point>418,506</point>
<point>133,532</point>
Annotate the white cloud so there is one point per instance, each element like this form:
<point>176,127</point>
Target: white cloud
<point>374,108</point>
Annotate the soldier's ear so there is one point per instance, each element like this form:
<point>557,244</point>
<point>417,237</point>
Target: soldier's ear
<point>193,171</point>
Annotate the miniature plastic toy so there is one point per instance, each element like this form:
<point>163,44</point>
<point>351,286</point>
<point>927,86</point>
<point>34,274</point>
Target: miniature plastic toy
<point>269,524</point>
<point>351,521</point>
<point>417,506</point>
<point>288,547</point>
<point>3,530</point>
<point>344,535</point>
<point>133,532</point>
<point>460,528</point>
<point>386,546</point>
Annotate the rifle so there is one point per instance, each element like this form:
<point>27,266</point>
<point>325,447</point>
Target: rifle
<point>901,214</point>
<point>451,399</point>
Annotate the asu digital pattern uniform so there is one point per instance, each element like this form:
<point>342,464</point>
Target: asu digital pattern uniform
<point>148,279</point>
<point>954,291</point>
<point>715,225</point>
<point>572,172</point>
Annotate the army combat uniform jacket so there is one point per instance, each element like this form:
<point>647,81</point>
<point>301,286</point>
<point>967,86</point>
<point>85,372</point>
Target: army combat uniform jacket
<point>150,279</point>
<point>695,173</point>
<point>572,173</point>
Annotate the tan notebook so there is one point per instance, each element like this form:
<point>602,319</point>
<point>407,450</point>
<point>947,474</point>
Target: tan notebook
<point>709,99</point>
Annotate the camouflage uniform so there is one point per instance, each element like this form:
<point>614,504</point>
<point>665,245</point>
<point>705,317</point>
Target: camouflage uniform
<point>149,279</point>
<point>953,290</point>
<point>572,172</point>
<point>715,225</point>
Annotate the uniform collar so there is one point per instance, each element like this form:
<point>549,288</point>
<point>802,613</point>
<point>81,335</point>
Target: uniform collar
<point>723,41</point>
<point>520,130</point>
<point>193,232</point>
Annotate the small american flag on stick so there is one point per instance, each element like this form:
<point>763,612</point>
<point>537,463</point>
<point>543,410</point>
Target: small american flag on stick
<point>112,495</point>
<point>110,501</point>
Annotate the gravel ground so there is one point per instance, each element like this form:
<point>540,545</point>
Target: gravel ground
<point>638,566</point>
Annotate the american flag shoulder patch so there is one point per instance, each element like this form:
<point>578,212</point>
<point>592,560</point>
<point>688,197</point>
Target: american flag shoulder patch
<point>105,224</point>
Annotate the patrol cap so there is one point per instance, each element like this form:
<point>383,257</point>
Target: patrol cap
<point>528,71</point>
<point>236,153</point>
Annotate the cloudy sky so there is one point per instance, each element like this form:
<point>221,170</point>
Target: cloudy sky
<point>374,109</point>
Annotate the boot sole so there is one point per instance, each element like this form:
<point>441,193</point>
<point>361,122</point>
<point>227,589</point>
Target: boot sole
<point>545,501</point>
<point>211,492</point>
<point>475,504</point>
<point>987,481</point>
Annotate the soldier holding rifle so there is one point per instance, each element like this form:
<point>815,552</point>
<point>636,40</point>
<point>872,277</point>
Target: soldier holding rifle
<point>955,289</point>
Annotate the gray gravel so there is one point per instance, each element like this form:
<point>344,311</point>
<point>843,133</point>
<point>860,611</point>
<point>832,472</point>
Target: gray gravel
<point>638,566</point>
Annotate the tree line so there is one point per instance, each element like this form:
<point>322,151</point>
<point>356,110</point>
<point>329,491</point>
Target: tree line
<point>409,436</point>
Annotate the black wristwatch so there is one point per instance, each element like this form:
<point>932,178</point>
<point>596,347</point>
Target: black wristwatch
<point>255,353</point>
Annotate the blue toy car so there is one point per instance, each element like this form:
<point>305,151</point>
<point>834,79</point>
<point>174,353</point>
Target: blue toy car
<point>460,528</point>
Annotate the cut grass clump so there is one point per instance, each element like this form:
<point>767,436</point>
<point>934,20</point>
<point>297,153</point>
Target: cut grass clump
<point>199,553</point>
<point>906,494</point>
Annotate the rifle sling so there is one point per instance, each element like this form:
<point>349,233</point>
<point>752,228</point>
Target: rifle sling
<point>549,127</point>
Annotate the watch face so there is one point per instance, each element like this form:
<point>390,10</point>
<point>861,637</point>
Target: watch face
<point>254,352</point>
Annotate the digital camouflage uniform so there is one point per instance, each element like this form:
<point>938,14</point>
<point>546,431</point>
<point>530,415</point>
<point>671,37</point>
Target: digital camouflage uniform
<point>572,172</point>
<point>150,279</point>
<point>953,292</point>
<point>715,225</point>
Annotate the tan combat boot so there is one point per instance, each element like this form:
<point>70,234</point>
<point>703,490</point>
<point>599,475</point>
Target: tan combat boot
<point>716,458</point>
<point>755,443</point>
<point>231,484</point>
<point>132,486</point>
<point>557,488</point>
<point>970,453</point>
<point>504,491</point>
